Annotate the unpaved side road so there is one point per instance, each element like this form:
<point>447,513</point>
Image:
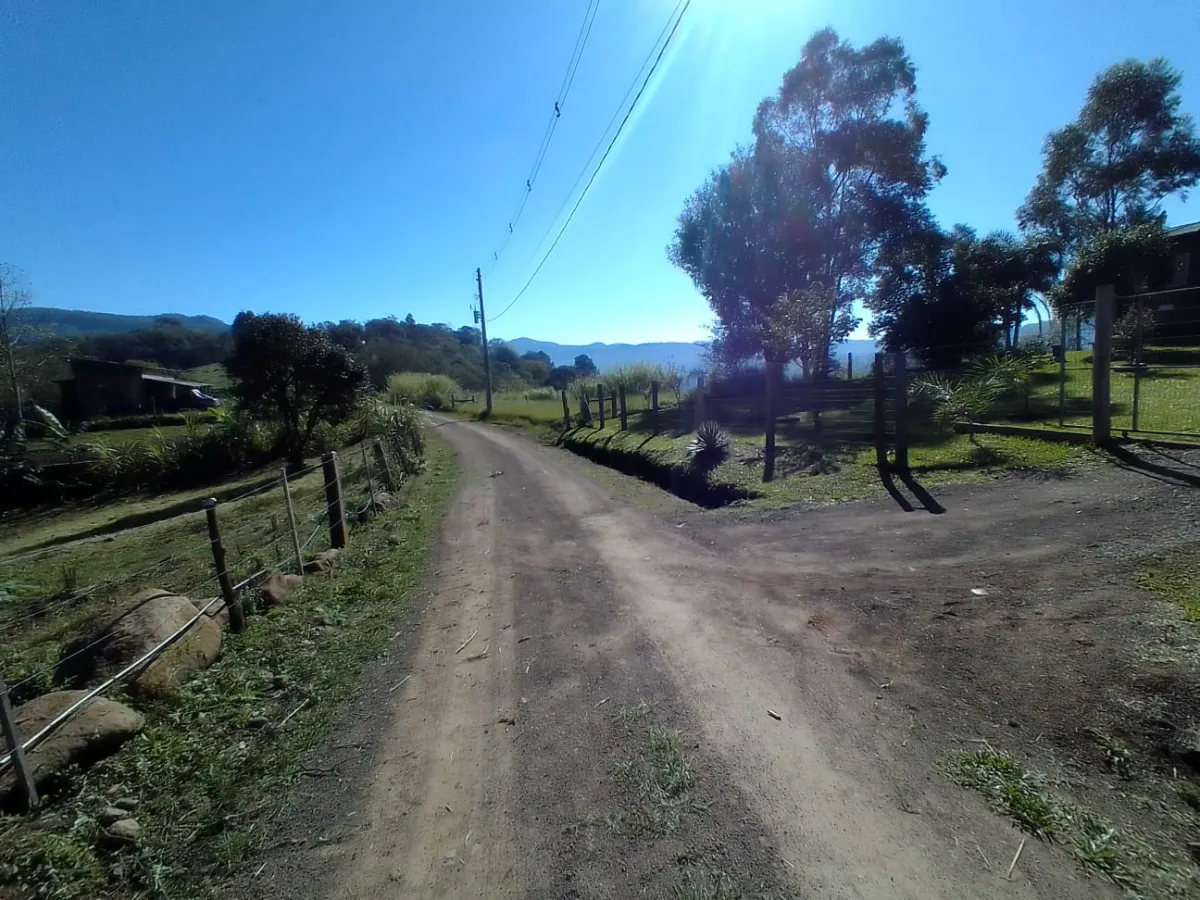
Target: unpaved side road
<point>479,761</point>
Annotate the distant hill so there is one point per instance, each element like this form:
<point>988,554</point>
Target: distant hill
<point>686,356</point>
<point>78,322</point>
<point>610,356</point>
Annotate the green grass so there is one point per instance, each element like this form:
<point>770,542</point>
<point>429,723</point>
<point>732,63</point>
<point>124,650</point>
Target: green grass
<point>213,374</point>
<point>117,437</point>
<point>1175,577</point>
<point>207,781</point>
<point>847,472</point>
<point>1168,394</point>
<point>1026,798</point>
<point>48,597</point>
<point>514,408</point>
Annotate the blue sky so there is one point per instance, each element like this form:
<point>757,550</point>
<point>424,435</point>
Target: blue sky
<point>359,159</point>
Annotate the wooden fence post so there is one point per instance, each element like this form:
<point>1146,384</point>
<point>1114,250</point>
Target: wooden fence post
<point>612,399</point>
<point>699,400</point>
<point>389,480</point>
<point>600,402</point>
<point>1139,340</point>
<point>566,409</point>
<point>1062,371</point>
<point>8,723</point>
<point>1106,306</point>
<point>654,404</point>
<point>333,500</point>
<point>624,409</point>
<point>585,409</point>
<point>237,616</point>
<point>900,386</point>
<point>849,366</point>
<point>287,496</point>
<point>880,414</point>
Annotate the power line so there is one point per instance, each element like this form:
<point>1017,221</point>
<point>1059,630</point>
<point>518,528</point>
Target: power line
<point>581,39</point>
<point>683,8</point>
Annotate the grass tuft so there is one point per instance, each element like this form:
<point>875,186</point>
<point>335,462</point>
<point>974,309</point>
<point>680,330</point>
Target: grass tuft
<point>627,715</point>
<point>1118,756</point>
<point>661,778</point>
<point>1009,788</point>
<point>1122,857</point>
<point>1175,577</point>
<point>1189,793</point>
<point>710,884</point>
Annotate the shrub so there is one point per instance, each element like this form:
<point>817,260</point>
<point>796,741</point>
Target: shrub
<point>214,445</point>
<point>402,429</point>
<point>1125,335</point>
<point>103,423</point>
<point>435,392</point>
<point>710,447</point>
<point>542,394</point>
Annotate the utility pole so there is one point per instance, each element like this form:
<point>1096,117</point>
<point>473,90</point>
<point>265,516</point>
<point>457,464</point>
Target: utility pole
<point>487,362</point>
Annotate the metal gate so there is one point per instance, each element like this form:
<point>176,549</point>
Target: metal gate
<point>1154,379</point>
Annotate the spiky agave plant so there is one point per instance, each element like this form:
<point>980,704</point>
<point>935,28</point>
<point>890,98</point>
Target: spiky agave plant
<point>710,447</point>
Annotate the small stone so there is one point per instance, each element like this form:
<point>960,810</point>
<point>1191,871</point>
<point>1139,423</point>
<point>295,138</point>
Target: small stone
<point>128,803</point>
<point>281,682</point>
<point>125,830</point>
<point>258,722</point>
<point>112,815</point>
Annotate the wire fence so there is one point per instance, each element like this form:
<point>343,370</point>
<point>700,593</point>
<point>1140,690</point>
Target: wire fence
<point>215,556</point>
<point>1153,376</point>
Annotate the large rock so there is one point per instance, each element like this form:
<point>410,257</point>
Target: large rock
<point>322,562</point>
<point>385,500</point>
<point>142,623</point>
<point>95,732</point>
<point>277,587</point>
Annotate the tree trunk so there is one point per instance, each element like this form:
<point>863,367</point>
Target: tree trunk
<point>16,386</point>
<point>769,441</point>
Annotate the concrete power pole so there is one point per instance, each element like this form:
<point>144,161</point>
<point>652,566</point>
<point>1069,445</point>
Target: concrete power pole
<point>487,362</point>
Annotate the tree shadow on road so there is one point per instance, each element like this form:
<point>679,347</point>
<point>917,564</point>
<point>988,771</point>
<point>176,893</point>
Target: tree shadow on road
<point>926,500</point>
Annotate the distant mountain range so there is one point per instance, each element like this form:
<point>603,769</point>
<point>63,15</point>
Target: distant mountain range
<point>78,322</point>
<point>686,356</point>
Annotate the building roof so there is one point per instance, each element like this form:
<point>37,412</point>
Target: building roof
<point>147,373</point>
<point>1181,230</point>
<point>93,361</point>
<point>170,379</point>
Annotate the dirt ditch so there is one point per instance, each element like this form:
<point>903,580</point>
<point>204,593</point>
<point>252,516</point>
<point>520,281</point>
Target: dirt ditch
<point>683,481</point>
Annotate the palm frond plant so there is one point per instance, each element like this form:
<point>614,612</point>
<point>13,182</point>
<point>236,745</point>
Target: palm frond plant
<point>709,448</point>
<point>959,398</point>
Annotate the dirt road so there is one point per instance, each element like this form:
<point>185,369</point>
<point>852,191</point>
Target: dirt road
<point>481,759</point>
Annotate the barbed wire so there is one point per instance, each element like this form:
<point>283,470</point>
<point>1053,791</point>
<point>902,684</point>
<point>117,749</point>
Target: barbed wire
<point>143,661</point>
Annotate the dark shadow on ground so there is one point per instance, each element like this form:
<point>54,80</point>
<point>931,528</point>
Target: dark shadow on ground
<point>928,502</point>
<point>1175,473</point>
<point>925,498</point>
<point>1175,460</point>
